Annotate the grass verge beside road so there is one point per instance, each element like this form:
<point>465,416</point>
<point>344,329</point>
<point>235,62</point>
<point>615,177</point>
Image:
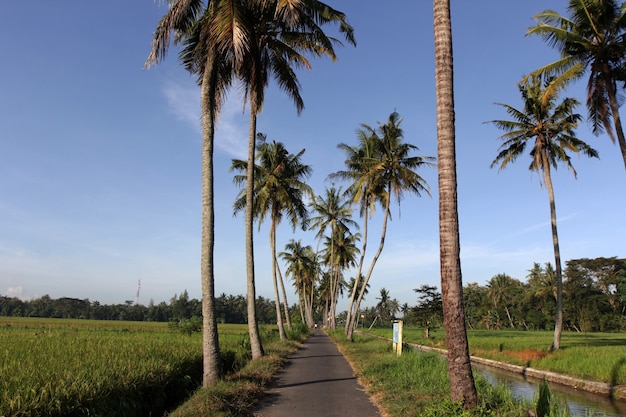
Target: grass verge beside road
<point>417,384</point>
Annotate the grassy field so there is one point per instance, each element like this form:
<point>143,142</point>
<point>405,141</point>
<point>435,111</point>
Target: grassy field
<point>594,356</point>
<point>54,367</point>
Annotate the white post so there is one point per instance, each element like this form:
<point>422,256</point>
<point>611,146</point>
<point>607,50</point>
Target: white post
<point>397,337</point>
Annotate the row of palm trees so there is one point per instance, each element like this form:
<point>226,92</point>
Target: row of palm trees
<point>248,41</point>
<point>252,41</point>
<point>379,167</point>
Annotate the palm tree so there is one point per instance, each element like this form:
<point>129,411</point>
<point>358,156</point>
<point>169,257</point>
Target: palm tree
<point>339,253</point>
<point>386,306</point>
<point>324,296</point>
<point>462,388</point>
<point>499,291</point>
<point>278,191</point>
<point>542,287</point>
<point>543,280</point>
<point>193,25</point>
<point>302,268</point>
<point>357,159</point>
<point>551,126</point>
<point>279,33</point>
<point>591,38</point>
<point>381,167</point>
<point>335,214</point>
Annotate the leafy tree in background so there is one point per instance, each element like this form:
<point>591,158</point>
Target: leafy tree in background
<point>279,191</point>
<point>429,308</point>
<point>549,127</point>
<point>591,38</point>
<point>607,274</point>
<point>474,297</point>
<point>462,387</point>
<point>594,286</point>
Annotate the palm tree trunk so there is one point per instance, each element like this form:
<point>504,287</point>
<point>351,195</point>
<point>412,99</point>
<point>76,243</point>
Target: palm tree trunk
<point>282,289</point>
<point>508,314</point>
<point>253,326</point>
<point>279,318</point>
<point>374,260</point>
<point>331,319</point>
<point>210,342</point>
<point>617,121</point>
<point>462,388</point>
<point>558,325</point>
<point>309,311</point>
<point>352,312</point>
<point>302,302</point>
<point>331,308</point>
<point>327,311</point>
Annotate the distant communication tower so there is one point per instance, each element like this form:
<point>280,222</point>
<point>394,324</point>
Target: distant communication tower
<point>138,289</point>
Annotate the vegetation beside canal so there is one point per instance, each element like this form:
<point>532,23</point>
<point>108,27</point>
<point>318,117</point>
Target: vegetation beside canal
<point>417,384</point>
<point>592,356</point>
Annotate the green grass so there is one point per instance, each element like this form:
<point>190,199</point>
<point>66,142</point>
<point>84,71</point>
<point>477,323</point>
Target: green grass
<point>594,356</point>
<point>417,384</point>
<point>239,393</point>
<point>54,367</point>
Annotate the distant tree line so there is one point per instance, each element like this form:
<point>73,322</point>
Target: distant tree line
<point>229,309</point>
<point>594,300</point>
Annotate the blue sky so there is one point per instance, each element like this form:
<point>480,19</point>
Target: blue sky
<point>100,159</point>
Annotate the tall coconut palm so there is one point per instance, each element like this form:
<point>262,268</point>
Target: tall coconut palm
<point>358,159</point>
<point>462,386</point>
<point>334,213</point>
<point>549,128</point>
<point>281,32</point>
<point>192,22</point>
<point>381,169</point>
<point>591,38</point>
<point>302,267</point>
<point>279,190</point>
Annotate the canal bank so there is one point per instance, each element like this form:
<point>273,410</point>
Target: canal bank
<point>617,392</point>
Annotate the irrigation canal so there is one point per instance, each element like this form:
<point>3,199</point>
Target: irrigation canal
<point>579,403</point>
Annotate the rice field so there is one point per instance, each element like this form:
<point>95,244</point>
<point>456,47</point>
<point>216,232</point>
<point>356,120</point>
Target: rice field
<point>54,367</point>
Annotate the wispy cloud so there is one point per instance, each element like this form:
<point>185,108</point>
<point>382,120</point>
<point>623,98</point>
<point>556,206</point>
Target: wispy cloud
<point>231,134</point>
<point>184,102</point>
<point>546,224</point>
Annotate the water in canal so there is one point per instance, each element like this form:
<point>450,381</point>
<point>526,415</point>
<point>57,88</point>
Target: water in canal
<point>579,403</point>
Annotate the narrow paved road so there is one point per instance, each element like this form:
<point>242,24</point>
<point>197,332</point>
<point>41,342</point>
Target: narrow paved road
<point>317,382</point>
